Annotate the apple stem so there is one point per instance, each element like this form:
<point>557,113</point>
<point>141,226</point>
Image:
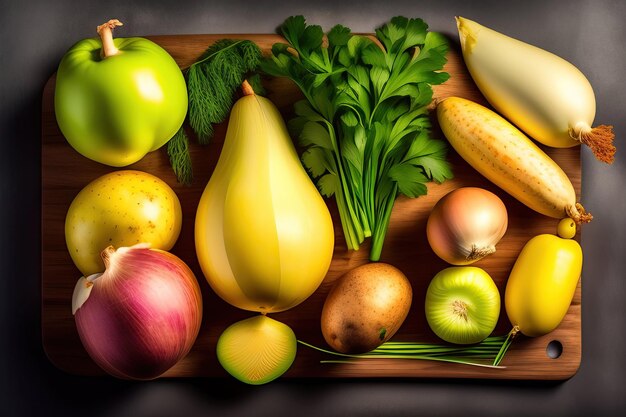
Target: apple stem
<point>105,31</point>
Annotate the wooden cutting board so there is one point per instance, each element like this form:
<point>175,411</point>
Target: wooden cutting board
<point>65,173</point>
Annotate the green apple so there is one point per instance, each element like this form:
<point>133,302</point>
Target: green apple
<point>118,99</point>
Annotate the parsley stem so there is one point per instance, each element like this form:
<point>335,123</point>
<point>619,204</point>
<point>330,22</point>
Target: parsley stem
<point>348,198</point>
<point>380,231</point>
<point>347,223</point>
<point>365,225</point>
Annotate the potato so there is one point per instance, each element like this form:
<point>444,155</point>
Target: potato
<point>121,208</point>
<point>365,307</point>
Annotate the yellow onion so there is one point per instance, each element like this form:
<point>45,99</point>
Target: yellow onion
<point>466,224</point>
<point>140,316</point>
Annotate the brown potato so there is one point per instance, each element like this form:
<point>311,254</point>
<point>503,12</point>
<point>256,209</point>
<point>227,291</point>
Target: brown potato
<point>365,307</point>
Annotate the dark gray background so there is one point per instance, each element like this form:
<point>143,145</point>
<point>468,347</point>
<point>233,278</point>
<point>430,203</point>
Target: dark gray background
<point>33,37</point>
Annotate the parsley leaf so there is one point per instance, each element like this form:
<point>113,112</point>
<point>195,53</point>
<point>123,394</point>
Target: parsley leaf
<point>364,123</point>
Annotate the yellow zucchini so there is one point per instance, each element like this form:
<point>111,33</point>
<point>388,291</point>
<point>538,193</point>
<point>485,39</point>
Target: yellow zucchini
<point>508,158</point>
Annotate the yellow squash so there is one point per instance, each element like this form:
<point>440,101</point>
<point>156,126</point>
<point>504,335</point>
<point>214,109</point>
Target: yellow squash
<point>264,236</point>
<point>544,95</point>
<point>542,283</point>
<point>508,158</point>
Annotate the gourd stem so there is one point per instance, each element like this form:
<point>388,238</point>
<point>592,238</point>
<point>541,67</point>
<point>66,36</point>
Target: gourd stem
<point>599,139</point>
<point>105,31</point>
<point>578,213</point>
<point>246,88</point>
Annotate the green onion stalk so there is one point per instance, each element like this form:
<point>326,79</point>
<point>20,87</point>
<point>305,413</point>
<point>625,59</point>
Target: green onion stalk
<point>481,354</point>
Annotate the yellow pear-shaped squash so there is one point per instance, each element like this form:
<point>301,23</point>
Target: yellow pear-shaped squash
<point>264,235</point>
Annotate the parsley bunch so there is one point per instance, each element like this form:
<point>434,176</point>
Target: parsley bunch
<point>364,124</point>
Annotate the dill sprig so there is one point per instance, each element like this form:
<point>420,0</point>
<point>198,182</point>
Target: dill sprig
<point>212,81</point>
<point>180,158</point>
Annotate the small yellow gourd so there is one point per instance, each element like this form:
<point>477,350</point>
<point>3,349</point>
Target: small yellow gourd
<point>264,236</point>
<point>542,283</point>
<point>541,286</point>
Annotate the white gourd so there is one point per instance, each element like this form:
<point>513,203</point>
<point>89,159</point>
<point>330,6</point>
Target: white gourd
<point>541,93</point>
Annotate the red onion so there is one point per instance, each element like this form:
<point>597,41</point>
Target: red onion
<point>142,315</point>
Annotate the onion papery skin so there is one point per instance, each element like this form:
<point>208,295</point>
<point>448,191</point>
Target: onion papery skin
<point>466,224</point>
<point>142,314</point>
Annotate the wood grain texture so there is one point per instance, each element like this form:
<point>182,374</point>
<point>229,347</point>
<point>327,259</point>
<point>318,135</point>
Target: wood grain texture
<point>65,173</point>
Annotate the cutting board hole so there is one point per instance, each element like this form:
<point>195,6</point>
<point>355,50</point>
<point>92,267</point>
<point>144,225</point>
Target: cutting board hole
<point>554,349</point>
